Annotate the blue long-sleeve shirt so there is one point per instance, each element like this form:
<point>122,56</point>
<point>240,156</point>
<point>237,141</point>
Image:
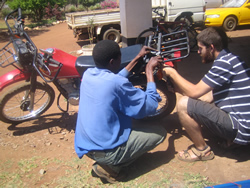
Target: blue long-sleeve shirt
<point>107,103</point>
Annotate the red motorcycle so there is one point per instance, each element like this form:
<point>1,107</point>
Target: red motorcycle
<point>31,98</point>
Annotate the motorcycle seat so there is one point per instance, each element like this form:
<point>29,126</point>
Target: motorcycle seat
<point>128,54</point>
<point>83,63</point>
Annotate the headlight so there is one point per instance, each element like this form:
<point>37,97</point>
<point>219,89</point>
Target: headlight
<point>213,16</point>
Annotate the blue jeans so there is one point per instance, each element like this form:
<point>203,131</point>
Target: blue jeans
<point>141,140</point>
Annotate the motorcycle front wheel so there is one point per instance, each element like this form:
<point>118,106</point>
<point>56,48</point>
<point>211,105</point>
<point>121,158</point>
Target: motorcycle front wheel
<point>166,106</point>
<point>141,39</point>
<point>14,105</point>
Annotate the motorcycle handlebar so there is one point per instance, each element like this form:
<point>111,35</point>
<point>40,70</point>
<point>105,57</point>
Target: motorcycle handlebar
<point>19,12</point>
<point>55,62</point>
<point>42,64</point>
<point>18,25</point>
<point>6,20</point>
<point>19,31</point>
<point>157,11</point>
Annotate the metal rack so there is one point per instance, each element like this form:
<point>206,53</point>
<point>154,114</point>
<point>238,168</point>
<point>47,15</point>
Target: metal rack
<point>168,44</point>
<point>7,56</point>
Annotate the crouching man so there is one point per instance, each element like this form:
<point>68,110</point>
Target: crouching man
<point>108,101</point>
<point>220,101</point>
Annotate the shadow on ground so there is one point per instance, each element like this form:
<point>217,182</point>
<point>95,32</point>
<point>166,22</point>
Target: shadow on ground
<point>54,123</point>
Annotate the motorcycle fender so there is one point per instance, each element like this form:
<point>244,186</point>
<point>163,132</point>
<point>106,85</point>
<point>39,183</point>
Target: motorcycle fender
<point>12,77</point>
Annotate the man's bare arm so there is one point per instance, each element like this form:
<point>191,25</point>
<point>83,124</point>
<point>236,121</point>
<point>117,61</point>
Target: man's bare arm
<point>144,51</point>
<point>208,97</point>
<point>185,87</point>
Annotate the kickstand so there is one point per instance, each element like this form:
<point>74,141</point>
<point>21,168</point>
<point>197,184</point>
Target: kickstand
<point>58,105</point>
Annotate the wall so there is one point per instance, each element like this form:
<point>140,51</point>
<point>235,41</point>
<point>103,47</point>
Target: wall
<point>136,16</point>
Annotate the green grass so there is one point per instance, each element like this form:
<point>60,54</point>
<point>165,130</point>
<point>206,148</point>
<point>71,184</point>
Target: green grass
<point>27,165</point>
<point>196,180</point>
<point>2,25</point>
<point>27,23</point>
<point>41,23</point>
<point>74,173</point>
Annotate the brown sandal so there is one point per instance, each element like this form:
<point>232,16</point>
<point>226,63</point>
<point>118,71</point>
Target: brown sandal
<point>201,154</point>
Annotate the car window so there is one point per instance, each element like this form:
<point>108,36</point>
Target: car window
<point>213,3</point>
<point>233,3</point>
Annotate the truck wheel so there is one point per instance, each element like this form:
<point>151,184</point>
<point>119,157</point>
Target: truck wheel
<point>112,34</point>
<point>187,19</point>
<point>230,23</point>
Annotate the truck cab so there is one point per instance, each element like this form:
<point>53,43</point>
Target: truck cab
<point>175,9</point>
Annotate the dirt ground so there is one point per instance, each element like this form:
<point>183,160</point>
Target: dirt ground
<point>40,153</point>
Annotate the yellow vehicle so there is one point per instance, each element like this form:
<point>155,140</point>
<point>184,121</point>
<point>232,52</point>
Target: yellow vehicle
<point>229,15</point>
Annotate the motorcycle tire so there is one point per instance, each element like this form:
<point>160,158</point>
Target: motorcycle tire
<point>166,106</point>
<point>144,34</point>
<point>192,34</point>
<point>14,106</point>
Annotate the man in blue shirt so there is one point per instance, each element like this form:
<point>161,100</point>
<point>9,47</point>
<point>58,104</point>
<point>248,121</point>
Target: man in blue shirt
<point>108,101</point>
<point>227,85</point>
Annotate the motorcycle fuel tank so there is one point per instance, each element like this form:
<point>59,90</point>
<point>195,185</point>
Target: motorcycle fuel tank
<point>68,69</point>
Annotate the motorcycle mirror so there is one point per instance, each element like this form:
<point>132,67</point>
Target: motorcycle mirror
<point>48,51</point>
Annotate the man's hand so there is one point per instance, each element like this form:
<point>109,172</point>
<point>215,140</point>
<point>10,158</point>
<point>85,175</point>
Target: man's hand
<point>154,62</point>
<point>145,50</point>
<point>167,71</point>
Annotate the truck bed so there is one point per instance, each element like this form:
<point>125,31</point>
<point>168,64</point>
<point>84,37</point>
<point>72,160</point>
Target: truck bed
<point>80,19</point>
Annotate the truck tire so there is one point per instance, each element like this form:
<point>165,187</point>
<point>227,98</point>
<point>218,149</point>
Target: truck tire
<point>187,19</point>
<point>112,34</point>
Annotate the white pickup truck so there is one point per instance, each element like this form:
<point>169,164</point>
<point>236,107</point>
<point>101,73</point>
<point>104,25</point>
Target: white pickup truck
<point>107,22</point>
